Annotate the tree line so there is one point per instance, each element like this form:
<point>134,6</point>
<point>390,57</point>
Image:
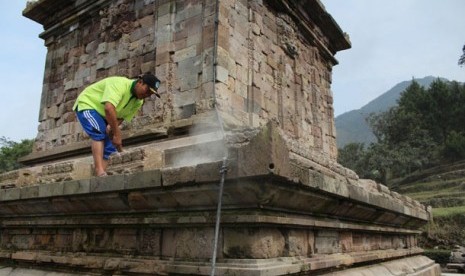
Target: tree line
<point>10,151</point>
<point>426,128</point>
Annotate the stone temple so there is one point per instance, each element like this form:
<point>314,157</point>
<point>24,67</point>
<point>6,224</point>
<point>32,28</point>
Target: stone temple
<point>246,102</point>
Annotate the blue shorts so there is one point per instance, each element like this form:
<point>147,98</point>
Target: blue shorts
<point>96,127</point>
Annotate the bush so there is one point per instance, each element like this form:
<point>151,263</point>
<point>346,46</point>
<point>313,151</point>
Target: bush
<point>440,256</point>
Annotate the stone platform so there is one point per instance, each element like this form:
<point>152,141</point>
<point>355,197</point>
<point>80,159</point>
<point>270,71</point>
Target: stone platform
<point>282,214</point>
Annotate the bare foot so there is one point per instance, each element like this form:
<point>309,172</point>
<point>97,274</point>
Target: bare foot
<point>102,174</point>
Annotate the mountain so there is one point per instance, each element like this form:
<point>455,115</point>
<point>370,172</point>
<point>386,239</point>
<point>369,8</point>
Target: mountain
<point>351,127</point>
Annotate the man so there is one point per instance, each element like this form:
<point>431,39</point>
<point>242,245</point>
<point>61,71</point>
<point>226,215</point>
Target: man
<point>104,105</point>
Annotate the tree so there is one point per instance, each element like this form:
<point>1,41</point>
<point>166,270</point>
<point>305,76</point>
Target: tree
<point>454,148</point>
<point>462,58</point>
<point>367,163</point>
<point>424,129</point>
<point>351,155</point>
<point>10,151</point>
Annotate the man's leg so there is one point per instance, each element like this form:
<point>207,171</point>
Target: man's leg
<point>95,126</point>
<point>97,153</point>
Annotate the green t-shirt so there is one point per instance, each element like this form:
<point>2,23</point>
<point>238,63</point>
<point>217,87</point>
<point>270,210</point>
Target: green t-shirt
<point>117,91</point>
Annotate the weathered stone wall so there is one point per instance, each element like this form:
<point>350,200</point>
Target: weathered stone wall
<point>170,38</point>
<point>270,66</point>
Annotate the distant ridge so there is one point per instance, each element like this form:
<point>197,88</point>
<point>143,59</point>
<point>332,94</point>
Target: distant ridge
<point>352,127</point>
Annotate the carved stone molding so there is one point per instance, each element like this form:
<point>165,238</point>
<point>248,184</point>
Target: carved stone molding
<point>287,35</point>
<point>116,20</point>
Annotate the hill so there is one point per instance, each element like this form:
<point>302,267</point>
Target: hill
<point>351,127</point>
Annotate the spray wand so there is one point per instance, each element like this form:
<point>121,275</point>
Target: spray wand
<point>223,169</point>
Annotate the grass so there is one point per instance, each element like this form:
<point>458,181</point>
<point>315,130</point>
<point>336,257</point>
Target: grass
<point>439,193</point>
<point>446,193</point>
<point>448,211</point>
<point>423,196</point>
<point>455,184</point>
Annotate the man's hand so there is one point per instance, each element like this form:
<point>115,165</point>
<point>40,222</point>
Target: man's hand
<point>110,132</point>
<point>117,142</point>
<point>113,129</point>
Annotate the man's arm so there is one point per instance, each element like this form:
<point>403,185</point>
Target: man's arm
<point>110,116</point>
<point>110,131</point>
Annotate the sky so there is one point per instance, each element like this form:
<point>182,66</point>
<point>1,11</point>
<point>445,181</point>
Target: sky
<point>392,41</point>
<point>22,62</point>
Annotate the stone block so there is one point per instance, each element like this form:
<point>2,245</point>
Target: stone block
<point>311,243</point>
<point>369,185</point>
<point>69,85</point>
<point>63,240</point>
<point>100,64</point>
<point>297,243</point>
<point>208,172</point>
<point>52,189</point>
<point>83,58</point>
<point>359,242</point>
<point>327,242</point>
<point>193,10</point>
<point>335,186</point>
<point>138,201</point>
<point>222,74</point>
<point>358,193</point>
<point>186,53</point>
<point>52,112</point>
<point>173,176</point>
<point>147,22</point>
<point>106,184</point>
<point>65,171</point>
<point>188,82</point>
<point>345,241</point>
<point>76,187</point>
<point>143,179</point>
<point>185,111</point>
<point>122,53</point>
<point>149,241</point>
<point>194,39</point>
<point>254,243</point>
<point>191,243</point>
<point>111,60</point>
<point>102,48</point>
<point>315,178</point>
<point>383,189</point>
<point>29,192</point>
<point>148,66</point>
<point>10,194</point>
<point>27,176</point>
<point>24,256</point>
<point>162,58</point>
<point>124,240</point>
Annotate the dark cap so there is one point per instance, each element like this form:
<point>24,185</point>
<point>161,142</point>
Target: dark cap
<point>152,81</point>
